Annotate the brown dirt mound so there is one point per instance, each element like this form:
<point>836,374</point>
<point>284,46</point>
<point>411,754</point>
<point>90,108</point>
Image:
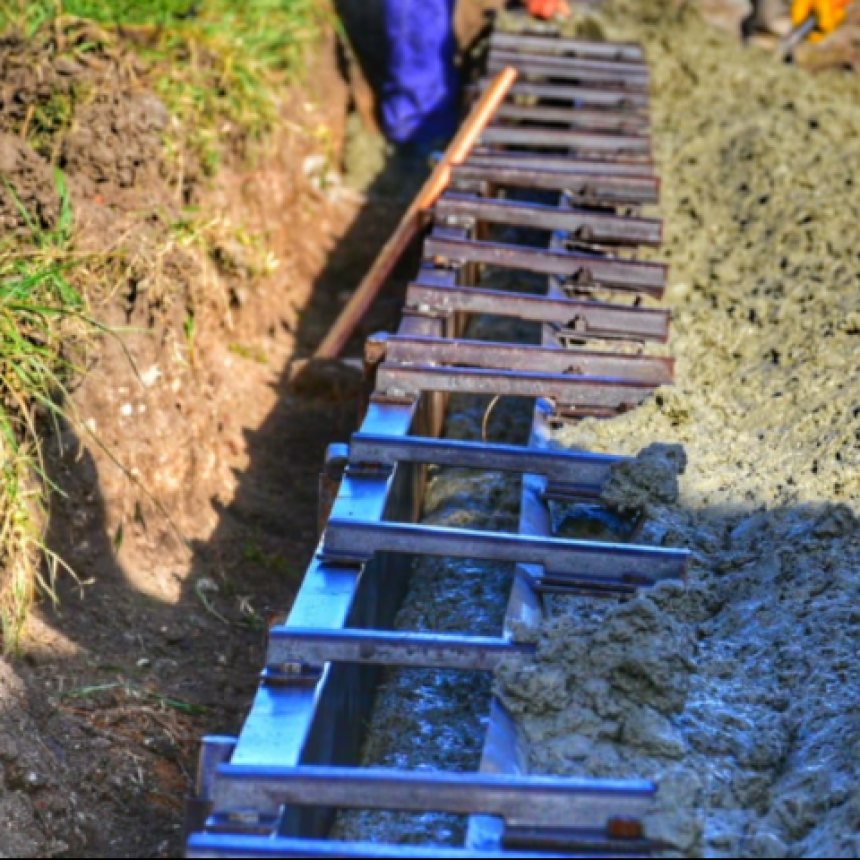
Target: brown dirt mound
<point>90,116</point>
<point>116,139</point>
<point>28,190</point>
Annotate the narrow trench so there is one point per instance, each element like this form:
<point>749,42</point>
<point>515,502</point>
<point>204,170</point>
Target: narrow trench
<point>435,719</point>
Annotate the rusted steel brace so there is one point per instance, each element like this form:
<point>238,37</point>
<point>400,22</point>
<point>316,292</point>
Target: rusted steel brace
<point>595,120</point>
<point>355,542</point>
<point>628,52</point>
<point>582,319</point>
<point>315,647</point>
<point>583,271</point>
<point>397,349</point>
<point>582,224</point>
<point>568,474</point>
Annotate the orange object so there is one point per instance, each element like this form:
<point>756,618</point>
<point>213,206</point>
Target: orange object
<point>548,8</point>
<point>412,222</point>
<point>829,14</point>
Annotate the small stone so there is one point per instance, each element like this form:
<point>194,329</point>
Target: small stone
<point>67,67</point>
<point>766,845</point>
<point>34,781</point>
<point>150,376</point>
<point>836,521</point>
<point>9,751</point>
<point>748,531</point>
<point>653,734</point>
<point>647,479</point>
<point>677,818</point>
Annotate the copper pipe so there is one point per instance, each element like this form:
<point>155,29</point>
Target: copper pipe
<point>414,219</point>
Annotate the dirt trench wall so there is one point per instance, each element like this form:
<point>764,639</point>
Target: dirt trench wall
<point>179,469</point>
<point>739,691</point>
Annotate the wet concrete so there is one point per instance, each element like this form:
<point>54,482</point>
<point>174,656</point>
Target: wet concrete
<point>738,692</point>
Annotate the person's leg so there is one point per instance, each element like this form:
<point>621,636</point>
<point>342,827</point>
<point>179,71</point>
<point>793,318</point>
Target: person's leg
<point>419,103</point>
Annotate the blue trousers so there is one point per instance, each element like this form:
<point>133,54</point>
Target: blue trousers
<point>419,100</point>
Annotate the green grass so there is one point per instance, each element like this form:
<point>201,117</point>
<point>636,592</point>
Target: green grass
<point>41,315</point>
<point>218,65</point>
<point>134,691</point>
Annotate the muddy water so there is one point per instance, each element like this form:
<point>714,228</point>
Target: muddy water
<point>740,693</point>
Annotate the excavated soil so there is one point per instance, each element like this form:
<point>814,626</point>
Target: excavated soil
<point>189,452</point>
<point>95,121</point>
<point>738,692</point>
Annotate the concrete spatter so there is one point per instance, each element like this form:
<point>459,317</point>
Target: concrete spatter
<point>758,726</point>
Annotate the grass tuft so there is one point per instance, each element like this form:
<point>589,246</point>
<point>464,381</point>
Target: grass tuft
<point>41,314</point>
<point>218,65</point>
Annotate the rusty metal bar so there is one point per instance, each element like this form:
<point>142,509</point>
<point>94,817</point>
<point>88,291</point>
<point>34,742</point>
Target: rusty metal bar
<point>579,394</point>
<point>628,52</point>
<point>634,69</point>
<point>595,120</point>
<point>578,269</point>
<point>356,542</point>
<point>611,591</point>
<point>315,647</point>
<point>613,69</point>
<point>584,96</point>
<point>532,161</point>
<point>568,474</point>
<point>625,836</point>
<point>522,802</point>
<point>591,72</point>
<point>554,138</point>
<point>587,187</point>
<point>583,224</point>
<point>396,349</point>
<point>585,318</point>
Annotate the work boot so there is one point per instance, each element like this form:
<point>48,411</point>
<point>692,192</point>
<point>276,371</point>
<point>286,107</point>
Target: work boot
<point>768,16</point>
